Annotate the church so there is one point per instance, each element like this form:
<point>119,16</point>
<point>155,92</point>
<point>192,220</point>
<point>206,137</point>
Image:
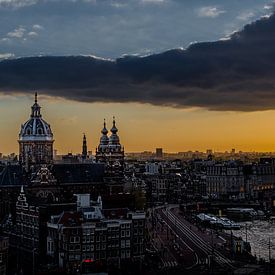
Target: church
<point>36,144</point>
<point>52,181</point>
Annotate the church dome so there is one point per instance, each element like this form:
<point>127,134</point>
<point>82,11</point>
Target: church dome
<point>36,128</point>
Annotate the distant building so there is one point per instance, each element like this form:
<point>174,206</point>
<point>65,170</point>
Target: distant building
<point>70,158</point>
<point>159,152</point>
<point>152,168</point>
<point>225,180</point>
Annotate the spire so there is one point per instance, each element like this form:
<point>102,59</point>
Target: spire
<point>84,147</point>
<point>114,138</point>
<point>114,128</point>
<point>104,131</point>
<point>104,140</point>
<point>35,108</point>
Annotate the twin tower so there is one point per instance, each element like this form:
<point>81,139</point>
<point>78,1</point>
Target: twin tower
<point>36,142</point>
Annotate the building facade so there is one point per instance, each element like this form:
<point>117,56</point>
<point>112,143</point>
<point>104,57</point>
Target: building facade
<point>225,180</point>
<point>4,252</point>
<point>109,236</point>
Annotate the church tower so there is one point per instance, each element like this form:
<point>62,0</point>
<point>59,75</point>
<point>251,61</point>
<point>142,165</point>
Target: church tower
<point>84,148</point>
<point>110,152</point>
<point>35,139</point>
<point>102,149</point>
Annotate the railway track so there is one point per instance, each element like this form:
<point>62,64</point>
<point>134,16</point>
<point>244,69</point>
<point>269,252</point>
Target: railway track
<point>196,240</point>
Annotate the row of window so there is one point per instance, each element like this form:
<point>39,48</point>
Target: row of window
<point>138,223</point>
<point>33,220</point>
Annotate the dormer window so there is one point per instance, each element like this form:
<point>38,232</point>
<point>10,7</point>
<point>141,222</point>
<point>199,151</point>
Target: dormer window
<point>29,131</point>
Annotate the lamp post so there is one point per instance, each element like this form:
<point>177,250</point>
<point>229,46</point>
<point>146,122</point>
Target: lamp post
<point>269,254</point>
<point>33,261</point>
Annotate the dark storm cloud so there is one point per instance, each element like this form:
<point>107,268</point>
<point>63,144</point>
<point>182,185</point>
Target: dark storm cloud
<point>233,74</point>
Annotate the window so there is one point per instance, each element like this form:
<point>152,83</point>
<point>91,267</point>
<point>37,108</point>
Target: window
<point>74,239</point>
<point>50,246</point>
<point>40,131</point>
<point>128,254</point>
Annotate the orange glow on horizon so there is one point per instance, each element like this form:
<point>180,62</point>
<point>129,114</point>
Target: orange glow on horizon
<point>142,127</point>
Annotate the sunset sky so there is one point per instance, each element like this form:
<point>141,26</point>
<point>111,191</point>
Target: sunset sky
<point>146,63</point>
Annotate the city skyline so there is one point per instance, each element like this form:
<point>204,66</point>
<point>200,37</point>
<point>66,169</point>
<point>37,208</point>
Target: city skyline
<point>69,139</point>
<point>137,137</point>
